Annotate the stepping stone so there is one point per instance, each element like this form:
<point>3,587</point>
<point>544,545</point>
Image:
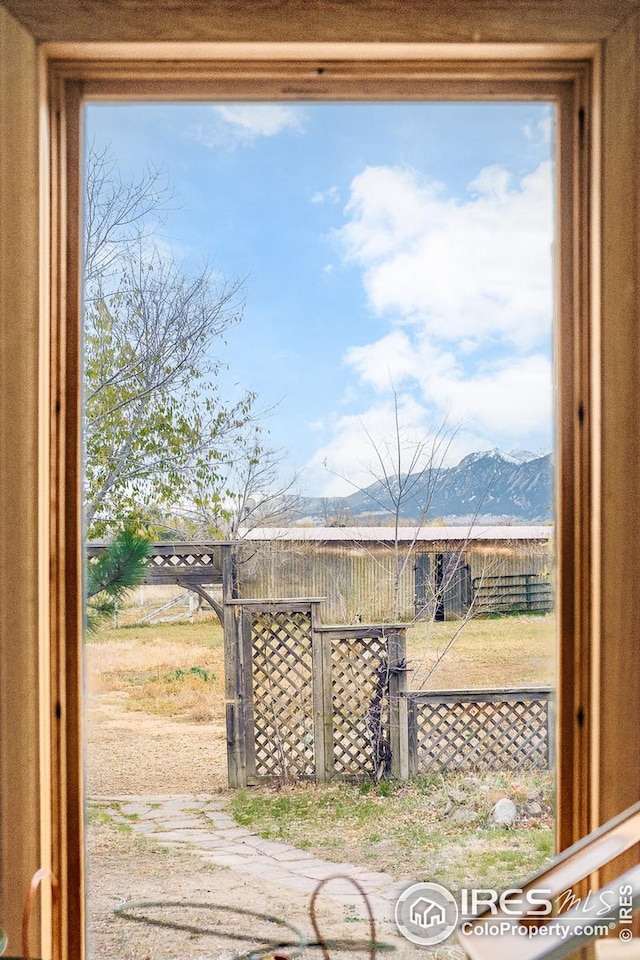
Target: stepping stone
<point>212,843</point>
<point>319,873</point>
<point>269,847</point>
<point>234,833</point>
<point>219,818</point>
<point>181,836</point>
<point>135,810</point>
<point>293,854</point>
<point>186,824</point>
<point>143,826</point>
<point>264,871</point>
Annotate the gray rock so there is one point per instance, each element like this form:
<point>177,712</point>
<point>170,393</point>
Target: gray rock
<point>504,813</point>
<point>464,815</point>
<point>533,809</point>
<point>458,796</point>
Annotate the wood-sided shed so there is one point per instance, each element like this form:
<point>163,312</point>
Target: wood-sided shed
<point>432,572</point>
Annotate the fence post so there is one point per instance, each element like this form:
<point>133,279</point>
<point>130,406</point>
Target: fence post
<point>321,672</point>
<point>412,735</point>
<point>403,732</point>
<point>396,652</point>
<point>551,732</point>
<point>233,621</point>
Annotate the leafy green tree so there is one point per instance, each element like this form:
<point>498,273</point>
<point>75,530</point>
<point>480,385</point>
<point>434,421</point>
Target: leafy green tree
<point>157,431</point>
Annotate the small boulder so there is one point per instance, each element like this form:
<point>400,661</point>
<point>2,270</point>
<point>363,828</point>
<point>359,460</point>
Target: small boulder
<point>504,813</point>
<point>463,815</point>
<point>533,809</point>
<point>458,796</point>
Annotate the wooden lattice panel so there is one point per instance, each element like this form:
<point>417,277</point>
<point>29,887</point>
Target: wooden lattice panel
<point>282,695</point>
<point>491,735</point>
<point>360,700</point>
<point>183,559</point>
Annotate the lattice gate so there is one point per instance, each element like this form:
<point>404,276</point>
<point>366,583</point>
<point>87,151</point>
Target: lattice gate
<point>306,700</point>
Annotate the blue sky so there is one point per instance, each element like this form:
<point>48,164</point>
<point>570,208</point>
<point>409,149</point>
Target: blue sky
<point>386,247</point>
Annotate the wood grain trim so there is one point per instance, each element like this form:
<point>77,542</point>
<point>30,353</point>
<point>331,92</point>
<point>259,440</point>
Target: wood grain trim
<point>20,599</point>
<point>293,53</point>
<point>295,21</point>
<point>66,553</point>
<point>573,95</point>
<point>616,701</point>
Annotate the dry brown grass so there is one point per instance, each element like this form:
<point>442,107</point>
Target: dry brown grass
<point>139,662</point>
<point>172,670</point>
<point>498,652</point>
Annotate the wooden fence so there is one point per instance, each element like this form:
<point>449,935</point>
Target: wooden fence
<point>513,593</point>
<point>479,730</point>
<point>309,701</point>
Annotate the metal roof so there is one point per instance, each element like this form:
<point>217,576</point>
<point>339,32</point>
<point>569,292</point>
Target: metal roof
<point>387,534</point>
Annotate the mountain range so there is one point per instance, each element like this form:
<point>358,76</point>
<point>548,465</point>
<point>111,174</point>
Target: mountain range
<point>485,486</point>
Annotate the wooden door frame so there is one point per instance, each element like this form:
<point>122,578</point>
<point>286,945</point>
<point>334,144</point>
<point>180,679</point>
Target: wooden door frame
<point>111,72</point>
<point>40,800</point>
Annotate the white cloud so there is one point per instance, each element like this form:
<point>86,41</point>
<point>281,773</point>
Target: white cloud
<point>397,357</point>
<point>465,287</point>
<point>497,399</point>
<point>507,405</point>
<point>351,452</point>
<point>246,122</point>
<point>540,132</point>
<point>332,195</point>
<point>470,269</point>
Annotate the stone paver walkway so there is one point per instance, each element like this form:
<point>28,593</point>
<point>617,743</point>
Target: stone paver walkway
<point>199,824</point>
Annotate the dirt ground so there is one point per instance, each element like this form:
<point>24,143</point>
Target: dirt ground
<point>132,751</point>
<point>219,906</point>
<point>129,753</point>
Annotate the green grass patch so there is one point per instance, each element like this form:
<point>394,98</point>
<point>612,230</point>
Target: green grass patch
<point>409,829</point>
<point>187,673</point>
<point>97,814</point>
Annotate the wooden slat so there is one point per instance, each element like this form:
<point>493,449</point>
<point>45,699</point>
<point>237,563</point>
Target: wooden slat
<point>324,20</point>
<point>23,613</point>
<point>615,704</point>
<point>481,695</point>
<point>362,631</point>
<point>618,656</point>
<point>319,700</point>
<point>397,654</point>
<point>234,714</point>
